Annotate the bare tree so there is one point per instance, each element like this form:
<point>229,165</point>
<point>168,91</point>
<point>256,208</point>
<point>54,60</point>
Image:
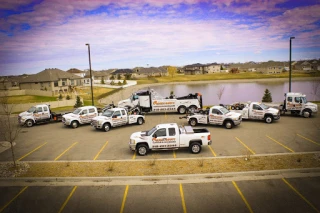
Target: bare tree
<point>9,125</point>
<point>220,92</point>
<point>172,71</point>
<point>315,89</point>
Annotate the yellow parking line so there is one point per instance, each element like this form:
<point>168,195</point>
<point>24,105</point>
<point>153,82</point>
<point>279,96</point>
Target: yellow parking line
<point>174,154</point>
<point>214,154</point>
<point>68,198</point>
<point>124,199</point>
<point>134,155</point>
<point>65,151</point>
<point>280,144</point>
<point>15,197</point>
<point>182,199</point>
<point>252,152</point>
<point>309,140</point>
<point>300,195</point>
<point>32,151</point>
<point>100,151</point>
<point>242,196</point>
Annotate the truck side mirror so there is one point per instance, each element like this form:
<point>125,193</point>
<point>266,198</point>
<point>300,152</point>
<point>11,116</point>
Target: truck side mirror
<point>114,116</point>
<point>155,136</point>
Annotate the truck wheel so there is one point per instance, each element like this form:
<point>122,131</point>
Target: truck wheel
<point>232,107</point>
<point>74,124</point>
<point>106,127</point>
<point>192,109</point>
<point>228,124</point>
<point>182,109</point>
<point>237,108</point>
<point>306,113</point>
<point>193,122</point>
<point>29,123</point>
<point>282,112</point>
<point>140,121</point>
<point>142,149</point>
<point>195,148</point>
<point>268,119</point>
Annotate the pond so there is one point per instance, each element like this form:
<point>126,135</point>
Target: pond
<point>240,91</point>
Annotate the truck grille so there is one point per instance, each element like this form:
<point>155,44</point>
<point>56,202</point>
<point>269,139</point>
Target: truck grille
<point>94,123</point>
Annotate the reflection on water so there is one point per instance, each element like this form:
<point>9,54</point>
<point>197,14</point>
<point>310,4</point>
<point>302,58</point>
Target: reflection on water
<point>234,92</point>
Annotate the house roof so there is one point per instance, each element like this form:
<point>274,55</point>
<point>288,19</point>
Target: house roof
<point>150,70</point>
<point>122,71</point>
<point>102,73</point>
<point>75,70</point>
<point>49,75</point>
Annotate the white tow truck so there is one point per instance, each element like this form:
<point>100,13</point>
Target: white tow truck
<point>216,115</point>
<point>39,114</point>
<point>150,101</point>
<point>259,111</point>
<point>297,104</point>
<point>169,137</point>
<point>82,115</point>
<point>116,117</point>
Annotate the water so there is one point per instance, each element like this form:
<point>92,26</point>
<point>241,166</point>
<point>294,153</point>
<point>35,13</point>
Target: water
<point>240,91</point>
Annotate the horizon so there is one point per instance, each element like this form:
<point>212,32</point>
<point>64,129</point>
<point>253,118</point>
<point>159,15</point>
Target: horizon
<point>40,34</point>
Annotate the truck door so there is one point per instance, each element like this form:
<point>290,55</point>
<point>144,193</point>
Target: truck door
<point>38,113</point>
<point>92,113</point>
<point>289,103</point>
<point>298,103</point>
<point>83,116</point>
<point>123,117</point>
<point>173,138</point>
<point>116,118</point>
<point>46,113</point>
<point>216,117</point>
<point>257,112</point>
<point>159,139</point>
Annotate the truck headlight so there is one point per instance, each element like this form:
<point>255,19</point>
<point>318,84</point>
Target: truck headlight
<point>100,122</point>
<point>132,141</point>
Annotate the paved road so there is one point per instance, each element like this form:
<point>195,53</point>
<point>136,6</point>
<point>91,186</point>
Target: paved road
<point>54,141</point>
<point>266,195</point>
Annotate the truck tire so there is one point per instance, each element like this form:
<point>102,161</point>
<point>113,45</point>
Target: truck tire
<point>268,119</point>
<point>142,149</point>
<point>140,121</point>
<point>192,109</point>
<point>106,127</point>
<point>74,124</point>
<point>306,113</point>
<point>193,122</point>
<point>29,123</point>
<point>232,107</point>
<point>282,112</point>
<point>195,148</point>
<point>228,124</point>
<point>182,109</point>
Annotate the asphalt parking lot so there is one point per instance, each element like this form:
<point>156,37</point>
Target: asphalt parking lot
<point>54,141</point>
<point>268,195</point>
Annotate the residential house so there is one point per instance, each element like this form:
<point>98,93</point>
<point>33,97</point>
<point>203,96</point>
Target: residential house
<point>97,76</point>
<point>140,72</point>
<point>77,72</point>
<point>307,66</point>
<point>53,79</point>
<point>193,69</point>
<point>123,72</point>
<point>211,68</point>
<point>272,67</point>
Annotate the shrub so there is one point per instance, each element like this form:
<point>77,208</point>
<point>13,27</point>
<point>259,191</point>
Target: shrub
<point>78,103</point>
<point>124,82</point>
<point>60,97</point>
<point>68,97</point>
<point>267,96</point>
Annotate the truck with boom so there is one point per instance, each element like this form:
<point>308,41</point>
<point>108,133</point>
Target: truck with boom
<point>216,115</point>
<point>259,111</point>
<point>150,101</point>
<point>116,117</point>
<point>169,136</point>
<point>39,114</point>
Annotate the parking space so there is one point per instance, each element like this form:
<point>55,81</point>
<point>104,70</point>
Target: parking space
<point>54,141</point>
<point>268,195</point>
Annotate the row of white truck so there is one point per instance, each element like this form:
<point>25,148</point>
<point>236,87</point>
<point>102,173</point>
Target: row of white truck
<point>169,136</point>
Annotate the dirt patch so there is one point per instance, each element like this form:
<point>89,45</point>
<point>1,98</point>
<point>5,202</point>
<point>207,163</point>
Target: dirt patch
<point>171,167</point>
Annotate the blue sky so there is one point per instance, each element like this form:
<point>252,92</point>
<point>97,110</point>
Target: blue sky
<point>40,34</point>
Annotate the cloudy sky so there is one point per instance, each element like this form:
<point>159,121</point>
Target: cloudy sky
<point>39,34</point>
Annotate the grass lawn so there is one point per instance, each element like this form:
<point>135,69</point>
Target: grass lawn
<point>29,99</point>
<point>220,76</point>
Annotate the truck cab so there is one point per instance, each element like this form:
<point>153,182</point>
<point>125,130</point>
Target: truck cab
<point>116,117</point>
<point>296,103</point>
<point>216,115</point>
<point>82,115</point>
<point>36,114</point>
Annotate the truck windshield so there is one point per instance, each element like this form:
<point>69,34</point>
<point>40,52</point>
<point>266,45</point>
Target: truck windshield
<point>264,106</point>
<point>224,110</point>
<point>108,113</point>
<point>148,133</point>
<point>32,109</point>
<point>77,111</point>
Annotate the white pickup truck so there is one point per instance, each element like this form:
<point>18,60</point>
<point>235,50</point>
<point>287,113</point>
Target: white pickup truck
<point>169,137</point>
<point>259,111</point>
<point>116,117</point>
<point>82,115</point>
<point>216,115</point>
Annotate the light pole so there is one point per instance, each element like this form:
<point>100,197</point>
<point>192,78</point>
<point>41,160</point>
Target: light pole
<point>290,64</point>
<point>90,74</point>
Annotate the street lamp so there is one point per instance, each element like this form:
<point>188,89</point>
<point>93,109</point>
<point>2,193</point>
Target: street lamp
<point>90,74</point>
<point>290,64</point>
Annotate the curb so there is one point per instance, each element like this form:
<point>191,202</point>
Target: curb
<point>157,180</point>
